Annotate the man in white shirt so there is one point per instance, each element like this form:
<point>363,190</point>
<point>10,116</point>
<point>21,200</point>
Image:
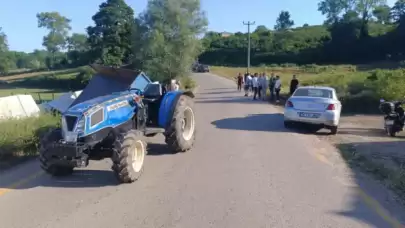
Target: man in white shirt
<point>255,84</point>
<point>277,88</point>
<point>248,84</point>
<point>173,85</point>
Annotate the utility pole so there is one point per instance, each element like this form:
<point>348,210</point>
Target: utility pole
<point>248,51</point>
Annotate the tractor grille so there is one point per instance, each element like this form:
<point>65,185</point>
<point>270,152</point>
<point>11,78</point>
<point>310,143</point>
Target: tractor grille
<point>70,122</point>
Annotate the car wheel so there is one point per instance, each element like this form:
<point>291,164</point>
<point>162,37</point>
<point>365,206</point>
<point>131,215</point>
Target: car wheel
<point>391,130</point>
<point>333,130</point>
<point>287,124</point>
<point>313,128</point>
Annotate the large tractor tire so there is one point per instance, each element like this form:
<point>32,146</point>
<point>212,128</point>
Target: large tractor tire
<point>46,162</point>
<point>128,156</point>
<point>180,135</point>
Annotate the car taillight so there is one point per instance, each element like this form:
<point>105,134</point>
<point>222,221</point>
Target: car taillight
<point>290,104</point>
<point>331,107</point>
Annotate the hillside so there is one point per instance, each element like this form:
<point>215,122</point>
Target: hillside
<point>344,39</point>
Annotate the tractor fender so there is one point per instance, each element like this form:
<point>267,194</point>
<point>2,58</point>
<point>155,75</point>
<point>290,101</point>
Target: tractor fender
<point>168,105</point>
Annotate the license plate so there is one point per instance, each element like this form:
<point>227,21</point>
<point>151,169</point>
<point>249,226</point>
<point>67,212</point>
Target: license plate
<point>308,115</point>
<point>389,122</point>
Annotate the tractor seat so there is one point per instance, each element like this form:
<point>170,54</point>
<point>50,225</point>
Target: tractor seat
<point>152,92</point>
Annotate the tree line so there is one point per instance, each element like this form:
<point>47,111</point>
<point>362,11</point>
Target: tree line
<point>161,40</point>
<point>355,31</point>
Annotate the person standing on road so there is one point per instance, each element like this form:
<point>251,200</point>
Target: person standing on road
<point>264,86</point>
<point>272,81</point>
<point>277,88</point>
<point>259,85</point>
<point>255,85</point>
<point>293,84</point>
<point>239,81</point>
<point>248,82</point>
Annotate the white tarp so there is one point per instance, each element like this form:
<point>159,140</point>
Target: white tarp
<point>18,106</point>
<point>61,103</point>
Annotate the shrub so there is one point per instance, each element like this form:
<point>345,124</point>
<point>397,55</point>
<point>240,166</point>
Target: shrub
<point>83,77</point>
<point>356,88</point>
<point>315,69</point>
<point>188,83</point>
<point>288,65</point>
<point>20,137</point>
<point>364,102</point>
<point>352,68</point>
<point>388,84</point>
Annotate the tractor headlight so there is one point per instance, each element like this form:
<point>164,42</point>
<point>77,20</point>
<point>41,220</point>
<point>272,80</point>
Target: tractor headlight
<point>80,125</point>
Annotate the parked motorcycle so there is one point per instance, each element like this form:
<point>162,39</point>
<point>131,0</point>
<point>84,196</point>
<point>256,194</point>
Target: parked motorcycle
<point>393,116</point>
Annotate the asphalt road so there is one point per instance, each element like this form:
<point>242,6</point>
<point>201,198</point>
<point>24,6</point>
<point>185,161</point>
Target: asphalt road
<point>246,171</point>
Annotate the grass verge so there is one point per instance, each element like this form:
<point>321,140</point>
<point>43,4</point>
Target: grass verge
<point>19,138</point>
<point>393,176</point>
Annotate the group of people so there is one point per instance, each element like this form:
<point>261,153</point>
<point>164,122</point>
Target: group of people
<point>258,84</point>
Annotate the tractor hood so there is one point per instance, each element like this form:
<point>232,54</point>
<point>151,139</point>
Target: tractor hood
<point>106,84</point>
<point>86,105</point>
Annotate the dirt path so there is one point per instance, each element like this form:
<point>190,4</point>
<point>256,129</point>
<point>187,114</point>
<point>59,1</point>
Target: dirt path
<point>363,143</point>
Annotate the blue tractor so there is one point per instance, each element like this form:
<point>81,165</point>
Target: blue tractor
<point>111,118</point>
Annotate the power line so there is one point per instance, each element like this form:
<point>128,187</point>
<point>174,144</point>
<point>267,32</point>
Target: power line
<point>248,51</point>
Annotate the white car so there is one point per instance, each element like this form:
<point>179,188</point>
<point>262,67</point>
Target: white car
<point>313,105</point>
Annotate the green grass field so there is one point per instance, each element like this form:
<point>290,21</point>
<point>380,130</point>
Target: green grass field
<point>43,86</point>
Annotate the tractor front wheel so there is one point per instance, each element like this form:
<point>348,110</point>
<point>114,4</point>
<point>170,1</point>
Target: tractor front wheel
<point>180,135</point>
<point>128,156</point>
<point>45,161</point>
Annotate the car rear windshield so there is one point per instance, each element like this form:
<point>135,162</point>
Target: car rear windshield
<point>306,92</point>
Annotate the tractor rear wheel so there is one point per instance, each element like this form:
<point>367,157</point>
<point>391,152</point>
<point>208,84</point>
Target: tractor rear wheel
<point>180,135</point>
<point>46,164</point>
<point>128,156</point>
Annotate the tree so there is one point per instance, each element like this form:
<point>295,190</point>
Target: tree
<point>78,49</point>
<point>335,9</point>
<point>365,8</point>
<point>283,21</point>
<point>170,37</point>
<point>382,14</point>
<point>398,10</point>
<point>110,38</point>
<point>58,27</point>
<point>4,58</point>
<point>332,9</point>
<point>261,29</point>
<point>3,42</point>
<point>77,42</point>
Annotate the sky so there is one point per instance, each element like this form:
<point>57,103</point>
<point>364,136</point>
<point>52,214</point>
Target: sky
<point>18,17</point>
